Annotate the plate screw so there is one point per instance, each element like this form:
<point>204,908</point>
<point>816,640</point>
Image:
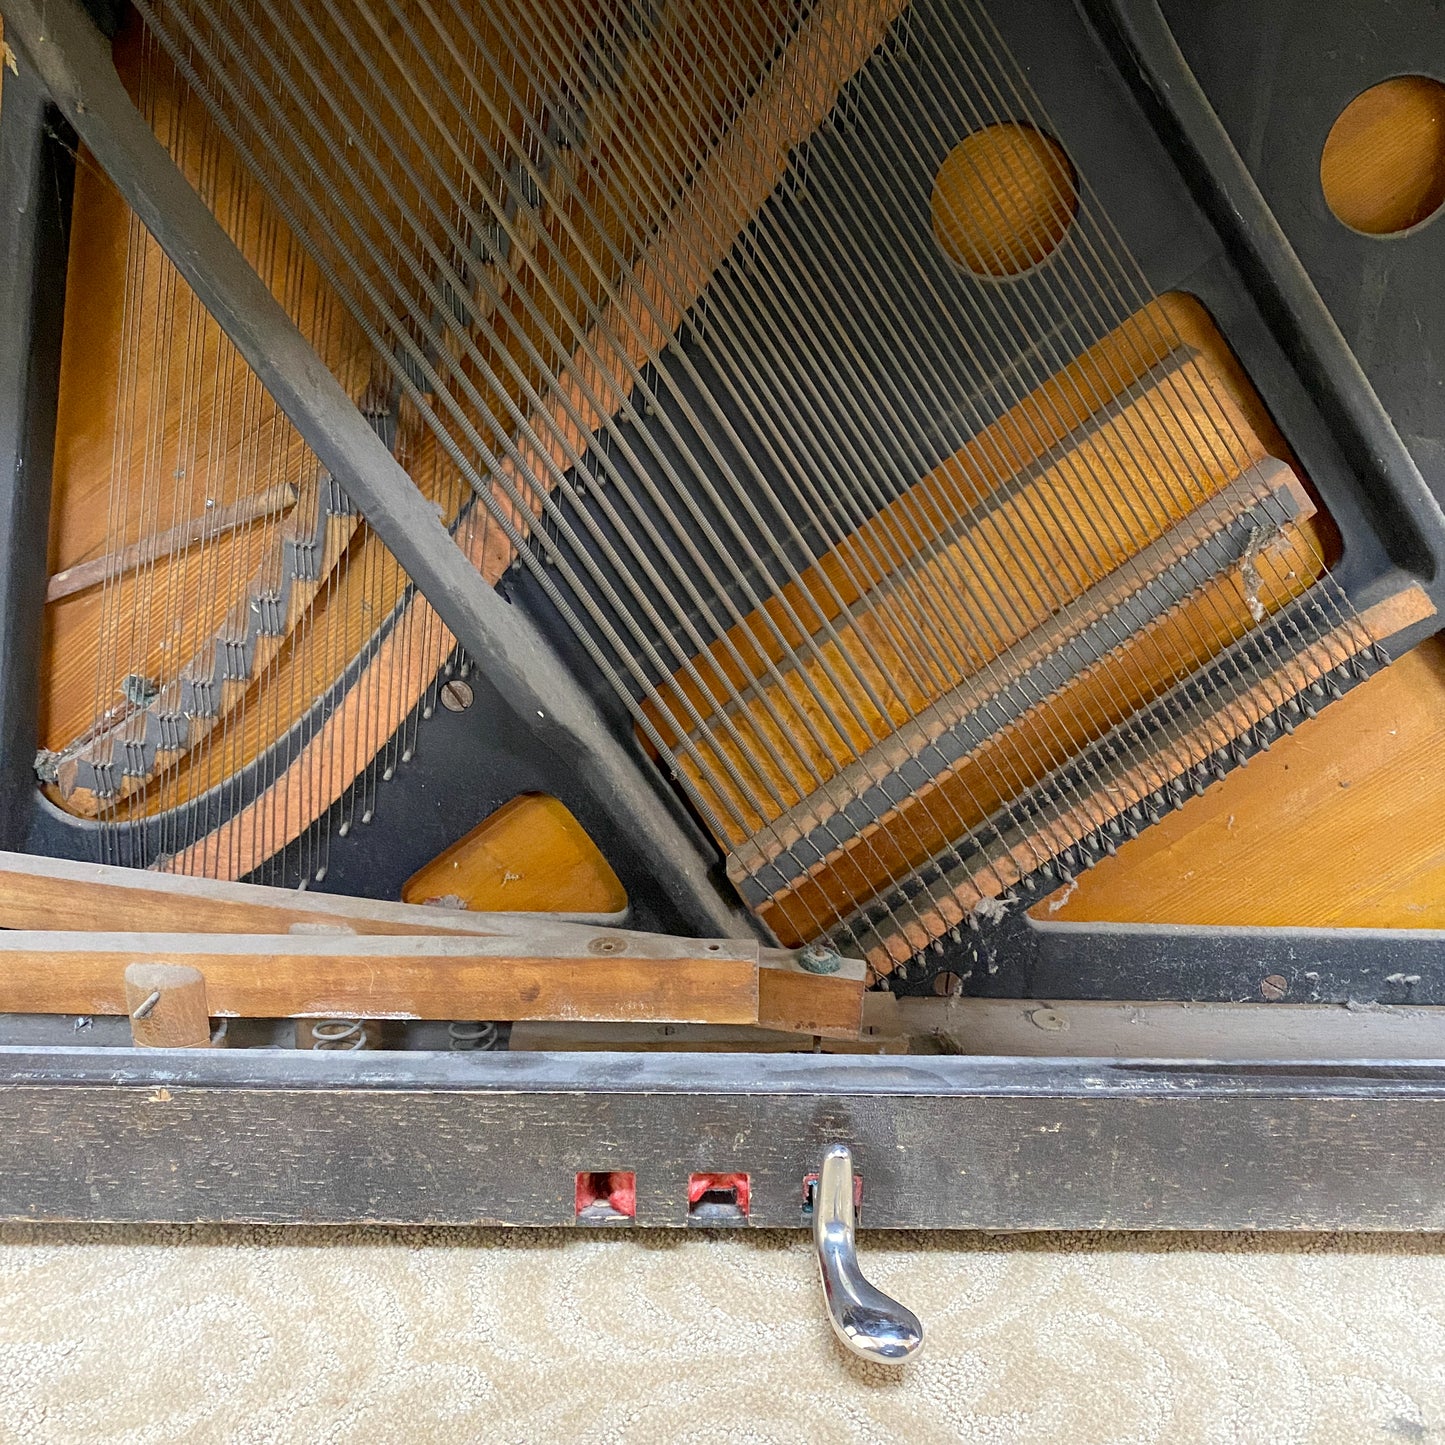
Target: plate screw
<point>1273,988</point>
<point>457,696</point>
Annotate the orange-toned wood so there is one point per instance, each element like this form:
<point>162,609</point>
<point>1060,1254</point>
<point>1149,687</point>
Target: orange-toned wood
<point>216,522</point>
<point>1003,199</point>
<point>905,937</point>
<point>1001,450</point>
<point>1019,755</point>
<point>915,638</point>
<point>636,135</point>
<point>1267,480</point>
<point>167,1006</point>
<point>1383,165</point>
<point>792,999</point>
<point>38,893</point>
<point>652,978</point>
<point>1341,824</point>
<point>530,856</point>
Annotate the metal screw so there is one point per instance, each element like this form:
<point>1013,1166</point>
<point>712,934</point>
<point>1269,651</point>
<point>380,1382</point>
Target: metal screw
<point>604,945</point>
<point>143,1010</point>
<point>456,696</point>
<point>1274,987</point>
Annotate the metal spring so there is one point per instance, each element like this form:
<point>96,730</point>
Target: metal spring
<point>469,1035</point>
<point>342,1035</point>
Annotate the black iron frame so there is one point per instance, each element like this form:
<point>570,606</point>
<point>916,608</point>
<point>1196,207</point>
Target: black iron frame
<point>422,1137</point>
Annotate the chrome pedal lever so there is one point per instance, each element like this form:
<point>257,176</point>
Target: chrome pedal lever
<point>871,1324</point>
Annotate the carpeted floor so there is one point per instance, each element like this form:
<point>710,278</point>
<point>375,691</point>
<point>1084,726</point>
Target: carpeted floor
<point>261,1335</point>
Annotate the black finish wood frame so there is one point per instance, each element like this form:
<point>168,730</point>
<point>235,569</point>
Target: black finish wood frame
<point>940,1143</point>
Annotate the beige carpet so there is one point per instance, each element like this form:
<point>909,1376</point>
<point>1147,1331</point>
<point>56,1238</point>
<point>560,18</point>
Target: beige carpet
<point>266,1335</point>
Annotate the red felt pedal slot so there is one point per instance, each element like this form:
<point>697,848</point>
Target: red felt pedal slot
<point>718,1199</point>
<point>607,1197</point>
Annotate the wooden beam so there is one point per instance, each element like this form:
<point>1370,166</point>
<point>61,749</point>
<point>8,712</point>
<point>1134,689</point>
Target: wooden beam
<point>273,502</point>
<point>881,1034</point>
<point>793,1000</point>
<point>39,893</point>
<point>653,979</point>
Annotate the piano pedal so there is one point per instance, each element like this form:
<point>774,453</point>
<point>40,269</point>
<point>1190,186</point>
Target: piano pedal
<point>870,1324</point>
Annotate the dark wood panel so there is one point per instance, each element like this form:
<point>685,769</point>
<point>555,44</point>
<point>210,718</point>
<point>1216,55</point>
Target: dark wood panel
<point>940,1143</point>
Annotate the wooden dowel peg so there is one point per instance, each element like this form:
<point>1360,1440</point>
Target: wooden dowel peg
<point>167,1004</point>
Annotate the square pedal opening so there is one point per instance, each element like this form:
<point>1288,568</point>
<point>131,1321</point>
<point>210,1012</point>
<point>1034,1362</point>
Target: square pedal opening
<point>718,1199</point>
<point>607,1197</point>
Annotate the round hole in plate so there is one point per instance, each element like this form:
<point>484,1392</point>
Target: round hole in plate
<point>1383,165</point>
<point>1003,199</point>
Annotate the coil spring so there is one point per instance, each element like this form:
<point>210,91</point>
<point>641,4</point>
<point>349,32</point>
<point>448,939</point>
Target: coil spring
<point>472,1034</point>
<point>342,1035</point>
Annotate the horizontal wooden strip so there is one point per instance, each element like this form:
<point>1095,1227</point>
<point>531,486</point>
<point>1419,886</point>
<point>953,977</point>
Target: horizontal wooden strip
<point>881,1033</point>
<point>399,977</point>
<point>37,892</point>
